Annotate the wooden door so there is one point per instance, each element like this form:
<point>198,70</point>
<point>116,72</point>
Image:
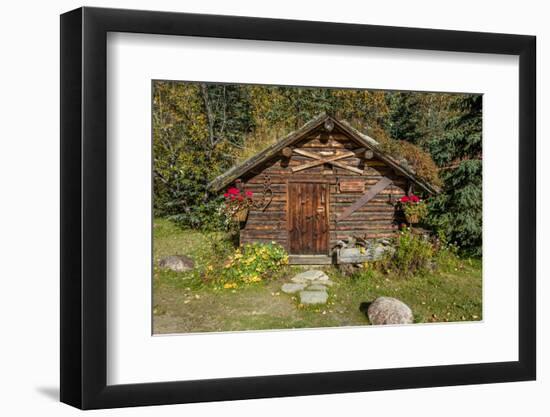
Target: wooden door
<point>308,230</point>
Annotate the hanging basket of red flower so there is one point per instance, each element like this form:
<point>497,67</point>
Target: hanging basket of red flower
<point>238,203</point>
<point>242,215</point>
<point>414,208</point>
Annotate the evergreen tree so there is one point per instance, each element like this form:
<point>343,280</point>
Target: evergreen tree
<point>404,118</point>
<point>457,211</point>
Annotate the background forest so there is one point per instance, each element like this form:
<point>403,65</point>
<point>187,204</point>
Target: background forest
<point>200,130</point>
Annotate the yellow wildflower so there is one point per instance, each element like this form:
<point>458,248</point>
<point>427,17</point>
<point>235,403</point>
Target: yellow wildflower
<point>255,278</point>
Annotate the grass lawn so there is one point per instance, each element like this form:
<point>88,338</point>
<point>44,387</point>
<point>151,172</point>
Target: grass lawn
<point>182,303</point>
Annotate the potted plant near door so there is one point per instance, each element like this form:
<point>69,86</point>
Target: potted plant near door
<point>238,203</point>
<point>414,208</point>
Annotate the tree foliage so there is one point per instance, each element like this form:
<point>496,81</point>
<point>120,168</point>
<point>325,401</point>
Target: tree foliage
<point>403,122</point>
<point>458,152</point>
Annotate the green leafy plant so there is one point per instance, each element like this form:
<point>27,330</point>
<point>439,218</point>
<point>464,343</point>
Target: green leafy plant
<point>446,254</point>
<point>248,264</point>
<point>413,254</point>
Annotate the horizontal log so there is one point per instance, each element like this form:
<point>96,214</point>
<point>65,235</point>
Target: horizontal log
<point>371,225</point>
<point>344,233</point>
<point>378,202</point>
<point>267,214</point>
<point>380,199</point>
<point>245,241</point>
<point>275,205</point>
<point>341,197</point>
<point>364,217</point>
<point>367,171</point>
<point>309,260</point>
<point>264,234</point>
<point>282,177</point>
<point>366,226</point>
<point>365,235</point>
<point>267,220</point>
<point>257,188</point>
<point>264,225</point>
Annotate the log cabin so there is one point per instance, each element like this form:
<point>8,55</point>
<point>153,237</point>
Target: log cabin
<point>320,184</point>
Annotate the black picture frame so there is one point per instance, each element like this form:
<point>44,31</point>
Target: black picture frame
<point>84,207</point>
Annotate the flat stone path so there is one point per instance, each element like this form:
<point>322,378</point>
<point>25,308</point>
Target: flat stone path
<point>311,286</point>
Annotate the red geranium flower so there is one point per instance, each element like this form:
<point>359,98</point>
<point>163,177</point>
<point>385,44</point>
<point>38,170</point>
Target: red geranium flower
<point>404,199</point>
<point>234,191</point>
<point>249,193</point>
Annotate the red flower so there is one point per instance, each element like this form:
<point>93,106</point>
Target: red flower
<point>233,191</point>
<point>404,199</point>
<point>226,195</point>
<point>414,198</point>
<point>249,194</point>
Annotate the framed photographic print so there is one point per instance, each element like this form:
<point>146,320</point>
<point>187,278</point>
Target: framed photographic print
<point>257,208</point>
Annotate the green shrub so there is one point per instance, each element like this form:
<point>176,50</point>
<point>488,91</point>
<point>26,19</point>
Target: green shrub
<point>249,264</point>
<point>413,254</point>
<point>446,254</point>
<point>206,216</point>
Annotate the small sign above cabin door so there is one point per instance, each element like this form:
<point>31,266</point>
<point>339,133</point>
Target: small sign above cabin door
<point>308,230</point>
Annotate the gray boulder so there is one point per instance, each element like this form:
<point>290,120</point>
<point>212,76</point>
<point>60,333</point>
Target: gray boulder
<point>379,249</point>
<point>316,287</point>
<point>388,310</point>
<point>308,276</point>
<point>178,263</point>
<point>291,287</point>
<point>313,297</point>
<point>324,282</point>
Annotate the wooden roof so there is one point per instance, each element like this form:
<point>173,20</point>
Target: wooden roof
<point>238,171</point>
